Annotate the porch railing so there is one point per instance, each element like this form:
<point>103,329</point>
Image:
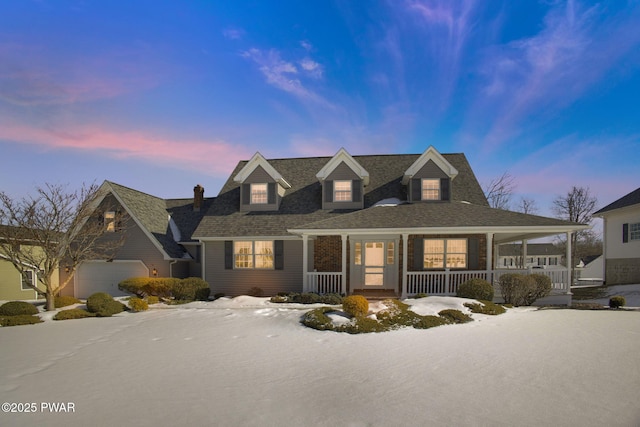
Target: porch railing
<point>325,283</point>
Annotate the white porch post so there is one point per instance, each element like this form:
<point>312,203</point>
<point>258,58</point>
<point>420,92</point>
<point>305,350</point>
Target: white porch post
<point>343,285</point>
<point>305,263</point>
<point>525,243</point>
<point>405,257</point>
<point>569,263</point>
<point>489,261</point>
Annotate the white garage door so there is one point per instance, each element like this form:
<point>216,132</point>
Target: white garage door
<point>102,276</point>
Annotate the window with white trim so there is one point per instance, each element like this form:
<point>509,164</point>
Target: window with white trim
<point>634,231</point>
<point>259,194</point>
<point>27,280</point>
<point>342,191</point>
<point>253,254</point>
<point>445,253</point>
<point>430,189</point>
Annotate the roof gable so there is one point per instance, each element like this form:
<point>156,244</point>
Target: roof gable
<point>630,199</point>
<point>430,154</point>
<point>256,161</point>
<point>342,156</point>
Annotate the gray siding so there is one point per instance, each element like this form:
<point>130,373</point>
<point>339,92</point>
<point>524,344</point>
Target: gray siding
<point>238,282</point>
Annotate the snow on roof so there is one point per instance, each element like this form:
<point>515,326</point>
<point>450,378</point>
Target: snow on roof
<point>390,202</point>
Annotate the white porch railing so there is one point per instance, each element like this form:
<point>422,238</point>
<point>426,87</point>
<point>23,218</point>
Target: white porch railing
<point>437,282</point>
<point>325,283</point>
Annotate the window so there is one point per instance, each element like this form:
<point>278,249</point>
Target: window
<point>342,191</point>
<point>430,189</point>
<point>253,254</point>
<point>110,221</point>
<point>390,253</point>
<point>259,194</point>
<point>553,261</point>
<point>634,231</point>
<point>358,254</point>
<point>441,253</point>
<point>27,280</point>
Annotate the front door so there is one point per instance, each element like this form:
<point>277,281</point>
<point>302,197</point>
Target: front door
<point>374,264</point>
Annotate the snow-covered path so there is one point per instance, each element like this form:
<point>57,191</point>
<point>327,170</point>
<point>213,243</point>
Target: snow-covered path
<point>257,366</point>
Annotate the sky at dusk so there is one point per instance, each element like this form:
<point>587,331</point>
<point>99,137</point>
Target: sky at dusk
<point>163,95</point>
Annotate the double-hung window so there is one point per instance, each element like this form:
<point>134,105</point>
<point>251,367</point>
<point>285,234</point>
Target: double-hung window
<point>253,254</point>
<point>259,194</point>
<point>28,277</point>
<point>430,189</point>
<point>342,191</point>
<point>634,231</point>
<point>110,221</point>
<point>445,253</point>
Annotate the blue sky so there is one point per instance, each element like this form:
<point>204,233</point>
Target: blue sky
<point>163,95</point>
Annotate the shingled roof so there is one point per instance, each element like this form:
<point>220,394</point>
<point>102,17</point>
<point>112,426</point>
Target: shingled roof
<point>153,215</point>
<point>301,206</point>
<point>630,199</point>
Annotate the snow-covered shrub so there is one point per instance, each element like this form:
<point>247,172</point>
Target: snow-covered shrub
<point>485,307</point>
<point>63,301</point>
<point>307,298</point>
<point>517,289</point>
<point>476,288</point>
<point>355,305</point>
<point>191,289</point>
<point>455,316</point>
<point>617,302</point>
<point>17,308</point>
<point>103,305</point>
<point>20,319</point>
<point>318,319</point>
<point>152,299</point>
<point>255,291</point>
<point>73,313</point>
<point>137,304</point>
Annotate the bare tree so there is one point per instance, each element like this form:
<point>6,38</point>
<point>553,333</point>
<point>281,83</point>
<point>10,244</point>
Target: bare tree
<point>499,191</point>
<point>578,206</point>
<point>527,206</point>
<point>55,229</point>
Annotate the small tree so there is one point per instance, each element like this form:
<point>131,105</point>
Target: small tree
<point>55,228</point>
<point>577,206</point>
<point>499,191</point>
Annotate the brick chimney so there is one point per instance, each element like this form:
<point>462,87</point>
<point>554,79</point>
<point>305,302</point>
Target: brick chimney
<point>198,197</point>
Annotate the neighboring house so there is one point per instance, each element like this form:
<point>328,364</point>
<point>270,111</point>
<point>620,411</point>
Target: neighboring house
<point>13,285</point>
<point>590,270</point>
<point>157,239</point>
<point>374,224</point>
<point>543,255</point>
<point>621,231</point>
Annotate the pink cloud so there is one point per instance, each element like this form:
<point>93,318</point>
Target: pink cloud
<point>216,157</point>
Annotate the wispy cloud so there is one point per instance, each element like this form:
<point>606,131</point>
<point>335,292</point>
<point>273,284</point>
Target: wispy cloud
<point>576,47</point>
<point>233,33</point>
<point>287,76</point>
<point>216,156</point>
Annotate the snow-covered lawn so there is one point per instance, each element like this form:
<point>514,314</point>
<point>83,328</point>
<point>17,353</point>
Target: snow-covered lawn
<point>247,362</point>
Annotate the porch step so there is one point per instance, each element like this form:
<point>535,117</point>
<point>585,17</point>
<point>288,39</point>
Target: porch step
<point>375,294</point>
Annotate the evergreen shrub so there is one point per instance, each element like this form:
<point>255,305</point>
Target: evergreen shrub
<point>355,305</point>
<point>73,313</point>
<point>20,319</point>
<point>191,289</point>
<point>542,288</point>
<point>152,299</point>
<point>455,316</point>
<point>103,305</point>
<point>63,301</point>
<point>137,304</point>
<point>617,302</point>
<point>476,288</point>
<point>518,289</point>
<point>17,308</point>
<point>485,307</point>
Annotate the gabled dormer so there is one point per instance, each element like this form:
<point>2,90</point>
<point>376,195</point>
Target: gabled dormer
<point>429,178</point>
<point>261,186</point>
<point>343,180</point>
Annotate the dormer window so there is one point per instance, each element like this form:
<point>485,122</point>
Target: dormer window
<point>259,194</point>
<point>342,191</point>
<point>430,189</point>
<point>110,221</point>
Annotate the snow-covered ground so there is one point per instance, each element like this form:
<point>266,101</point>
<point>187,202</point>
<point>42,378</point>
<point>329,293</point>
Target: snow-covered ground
<point>247,362</point>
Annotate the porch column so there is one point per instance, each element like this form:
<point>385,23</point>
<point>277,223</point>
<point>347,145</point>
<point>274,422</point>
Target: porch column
<point>489,262</point>
<point>305,263</point>
<point>344,264</point>
<point>405,257</point>
<point>525,243</point>
<point>569,264</point>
